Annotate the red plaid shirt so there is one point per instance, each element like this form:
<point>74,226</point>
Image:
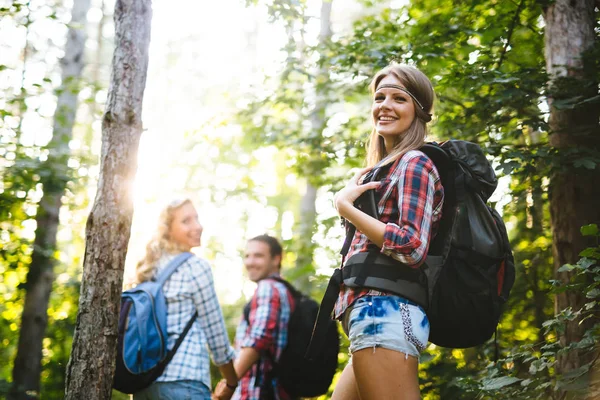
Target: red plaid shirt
<point>267,332</point>
<point>411,200</point>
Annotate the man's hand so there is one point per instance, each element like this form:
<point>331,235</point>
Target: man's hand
<point>222,391</point>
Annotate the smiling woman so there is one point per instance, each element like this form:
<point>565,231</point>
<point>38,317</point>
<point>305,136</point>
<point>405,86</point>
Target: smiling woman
<point>189,290</point>
<point>177,230</point>
<point>386,346</point>
<point>185,229</point>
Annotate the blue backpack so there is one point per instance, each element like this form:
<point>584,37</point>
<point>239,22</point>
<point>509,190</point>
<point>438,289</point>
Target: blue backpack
<point>142,353</point>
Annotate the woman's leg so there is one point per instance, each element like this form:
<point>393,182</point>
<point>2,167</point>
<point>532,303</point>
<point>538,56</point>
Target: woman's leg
<point>346,389</point>
<point>385,374</point>
<point>387,334</point>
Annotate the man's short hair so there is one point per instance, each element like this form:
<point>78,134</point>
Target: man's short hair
<point>274,246</point>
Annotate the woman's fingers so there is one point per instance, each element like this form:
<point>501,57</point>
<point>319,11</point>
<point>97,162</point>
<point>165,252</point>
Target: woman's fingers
<point>360,173</point>
<point>367,186</point>
<point>372,185</point>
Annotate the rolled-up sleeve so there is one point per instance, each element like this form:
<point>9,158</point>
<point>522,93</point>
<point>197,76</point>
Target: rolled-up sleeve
<point>210,315</point>
<point>407,240</point>
<point>263,318</point>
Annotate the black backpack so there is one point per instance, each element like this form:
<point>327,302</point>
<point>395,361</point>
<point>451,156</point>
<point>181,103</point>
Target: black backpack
<point>469,270</point>
<point>299,376</point>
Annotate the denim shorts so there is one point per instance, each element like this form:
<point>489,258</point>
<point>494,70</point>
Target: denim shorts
<point>390,322</point>
<point>175,390</point>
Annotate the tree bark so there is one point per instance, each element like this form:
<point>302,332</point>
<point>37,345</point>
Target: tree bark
<point>34,320</point>
<point>308,210</point>
<point>573,192</point>
<point>304,244</point>
<point>91,366</point>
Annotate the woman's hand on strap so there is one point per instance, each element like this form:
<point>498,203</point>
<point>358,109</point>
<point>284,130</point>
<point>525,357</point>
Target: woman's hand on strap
<point>344,199</point>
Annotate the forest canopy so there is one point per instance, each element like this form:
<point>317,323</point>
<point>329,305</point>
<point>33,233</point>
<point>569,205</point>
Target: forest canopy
<point>259,112</point>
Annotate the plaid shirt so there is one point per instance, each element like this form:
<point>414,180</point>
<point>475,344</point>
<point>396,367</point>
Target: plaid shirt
<point>411,200</point>
<point>188,290</point>
<point>267,333</point>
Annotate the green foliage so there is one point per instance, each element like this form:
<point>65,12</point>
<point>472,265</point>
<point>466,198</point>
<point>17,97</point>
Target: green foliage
<point>486,61</point>
<point>27,169</point>
<point>530,371</point>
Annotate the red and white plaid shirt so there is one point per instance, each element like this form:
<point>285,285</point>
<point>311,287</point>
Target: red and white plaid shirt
<point>411,200</point>
<point>267,332</point>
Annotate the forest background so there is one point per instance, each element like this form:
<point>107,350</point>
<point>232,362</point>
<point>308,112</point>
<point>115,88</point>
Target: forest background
<point>257,111</point>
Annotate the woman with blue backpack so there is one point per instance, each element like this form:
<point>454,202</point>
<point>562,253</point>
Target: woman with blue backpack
<point>191,300</point>
<point>388,331</point>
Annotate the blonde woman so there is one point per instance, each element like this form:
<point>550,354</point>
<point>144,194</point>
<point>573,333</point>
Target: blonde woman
<point>190,289</point>
<point>387,332</point>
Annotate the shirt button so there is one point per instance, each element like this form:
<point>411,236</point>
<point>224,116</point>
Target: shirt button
<point>370,303</point>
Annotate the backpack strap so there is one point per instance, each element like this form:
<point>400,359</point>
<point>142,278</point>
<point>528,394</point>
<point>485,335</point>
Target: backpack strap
<point>187,328</point>
<point>172,266</point>
<point>367,203</point>
<point>324,316</point>
<point>378,271</point>
<point>161,279</point>
<point>293,291</point>
<point>160,368</point>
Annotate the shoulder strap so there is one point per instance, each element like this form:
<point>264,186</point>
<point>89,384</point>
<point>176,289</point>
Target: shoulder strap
<point>367,204</point>
<point>163,364</point>
<point>322,323</point>
<point>187,328</point>
<point>247,311</point>
<point>350,231</point>
<point>295,293</point>
<point>173,265</point>
<point>437,154</point>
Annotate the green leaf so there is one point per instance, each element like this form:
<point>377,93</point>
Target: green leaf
<point>498,383</point>
<point>566,268</point>
<point>591,305</point>
<point>586,263</point>
<point>585,162</point>
<point>593,294</point>
<point>589,230</point>
<point>590,252</point>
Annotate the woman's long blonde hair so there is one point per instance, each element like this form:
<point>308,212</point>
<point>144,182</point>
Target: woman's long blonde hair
<point>421,88</point>
<point>160,243</point>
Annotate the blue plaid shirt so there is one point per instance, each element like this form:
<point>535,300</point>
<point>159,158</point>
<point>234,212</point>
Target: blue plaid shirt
<point>188,290</point>
<point>267,333</point>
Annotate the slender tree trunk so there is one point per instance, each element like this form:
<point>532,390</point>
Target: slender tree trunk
<point>308,210</point>
<point>27,366</point>
<point>539,266</point>
<point>574,192</point>
<point>304,243</point>
<point>91,366</point>
<point>23,94</point>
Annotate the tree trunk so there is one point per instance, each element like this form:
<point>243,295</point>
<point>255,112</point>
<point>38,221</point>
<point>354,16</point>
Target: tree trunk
<point>574,192</point>
<point>91,366</point>
<point>308,210</point>
<point>27,366</point>
<point>304,243</point>
<point>23,95</point>
<point>539,268</point>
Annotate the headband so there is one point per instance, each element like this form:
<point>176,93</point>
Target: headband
<point>408,93</point>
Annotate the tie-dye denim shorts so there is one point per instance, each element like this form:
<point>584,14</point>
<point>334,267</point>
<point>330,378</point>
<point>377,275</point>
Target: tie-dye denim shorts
<point>390,322</point>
